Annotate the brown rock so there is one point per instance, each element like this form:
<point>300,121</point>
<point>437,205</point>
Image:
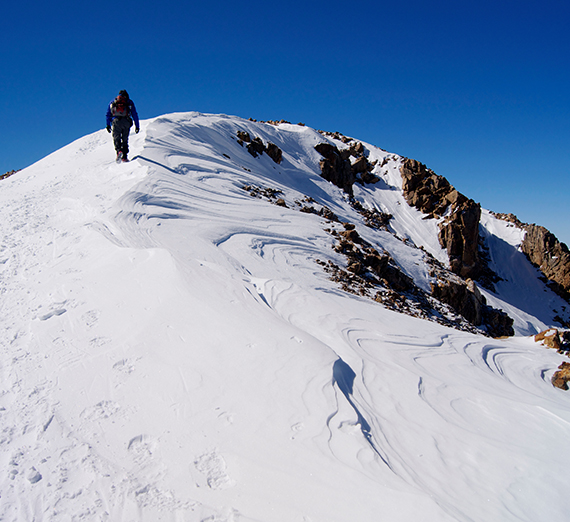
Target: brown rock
<point>459,235</point>
<point>360,165</point>
<point>549,338</point>
<point>423,189</point>
<point>355,268</point>
<point>376,262</point>
<point>464,298</point>
<point>335,167</point>
<point>357,149</point>
<point>550,256</point>
<point>274,152</point>
<point>560,378</point>
<point>367,177</point>
<point>244,136</point>
<point>351,234</point>
<point>256,147</point>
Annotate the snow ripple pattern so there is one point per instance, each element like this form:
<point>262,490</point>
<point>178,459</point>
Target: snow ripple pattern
<point>171,351</point>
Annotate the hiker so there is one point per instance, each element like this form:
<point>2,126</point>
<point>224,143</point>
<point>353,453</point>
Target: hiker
<point>120,115</point>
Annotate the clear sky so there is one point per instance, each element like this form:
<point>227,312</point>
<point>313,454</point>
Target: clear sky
<point>478,91</point>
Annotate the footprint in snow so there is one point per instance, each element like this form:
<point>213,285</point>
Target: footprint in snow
<point>102,410</point>
<point>90,318</point>
<point>142,448</point>
<point>297,428</point>
<point>34,476</point>
<point>124,366</point>
<point>53,313</point>
<point>213,466</point>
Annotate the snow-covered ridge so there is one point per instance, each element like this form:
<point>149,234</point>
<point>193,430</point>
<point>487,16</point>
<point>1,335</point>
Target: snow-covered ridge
<point>170,350</point>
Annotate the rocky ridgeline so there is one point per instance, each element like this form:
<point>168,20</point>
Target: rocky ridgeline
<point>452,302</point>
<point>459,231</point>
<point>8,174</point>
<point>459,235</point>
<point>550,256</point>
<point>375,275</point>
<point>544,251</point>
<point>337,167</point>
<point>256,147</point>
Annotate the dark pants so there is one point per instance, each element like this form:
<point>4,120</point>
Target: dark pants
<point>121,128</point>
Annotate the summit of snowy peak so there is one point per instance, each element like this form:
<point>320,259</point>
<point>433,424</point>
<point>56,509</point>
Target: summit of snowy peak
<point>217,331</point>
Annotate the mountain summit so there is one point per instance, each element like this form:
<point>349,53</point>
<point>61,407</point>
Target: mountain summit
<point>261,322</point>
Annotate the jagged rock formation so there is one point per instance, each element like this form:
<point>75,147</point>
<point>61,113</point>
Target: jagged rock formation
<point>374,274</point>
<point>549,338</point>
<point>426,191</point>
<point>459,232</point>
<point>256,147</point>
<point>337,168</point>
<point>562,376</point>
<point>8,174</point>
<point>464,297</point>
<point>459,235</point>
<point>545,252</point>
<point>550,256</point>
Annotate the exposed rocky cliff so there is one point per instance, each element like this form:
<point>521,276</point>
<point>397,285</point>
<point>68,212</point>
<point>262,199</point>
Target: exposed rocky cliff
<point>550,256</point>
<point>459,231</point>
<point>459,235</point>
<point>545,252</point>
<point>338,168</point>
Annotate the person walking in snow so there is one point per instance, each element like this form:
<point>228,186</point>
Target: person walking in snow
<point>120,115</point>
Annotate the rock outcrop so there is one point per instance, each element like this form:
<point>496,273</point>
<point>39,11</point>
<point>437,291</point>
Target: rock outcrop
<point>562,376</point>
<point>545,252</point>
<point>256,147</point>
<point>337,167</point>
<point>453,301</point>
<point>550,256</point>
<point>464,297</point>
<point>459,235</point>
<point>459,232</point>
<point>425,190</point>
<point>549,338</point>
<point>8,174</point>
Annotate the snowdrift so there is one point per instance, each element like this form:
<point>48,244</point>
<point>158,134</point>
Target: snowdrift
<point>172,351</point>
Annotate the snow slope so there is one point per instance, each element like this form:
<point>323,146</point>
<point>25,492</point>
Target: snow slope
<point>172,352</point>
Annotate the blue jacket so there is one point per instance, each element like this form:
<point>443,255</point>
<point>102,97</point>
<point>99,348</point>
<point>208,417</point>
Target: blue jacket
<point>132,112</point>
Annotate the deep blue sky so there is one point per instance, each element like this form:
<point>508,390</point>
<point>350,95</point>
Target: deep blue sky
<point>478,91</point>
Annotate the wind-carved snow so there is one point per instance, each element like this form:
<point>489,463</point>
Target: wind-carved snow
<point>171,350</point>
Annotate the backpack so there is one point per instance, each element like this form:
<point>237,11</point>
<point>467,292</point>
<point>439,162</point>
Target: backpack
<point>120,107</point>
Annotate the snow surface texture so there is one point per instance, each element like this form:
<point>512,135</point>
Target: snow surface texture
<point>172,352</point>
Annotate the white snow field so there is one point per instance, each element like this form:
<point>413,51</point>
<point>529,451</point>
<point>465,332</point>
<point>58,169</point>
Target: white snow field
<point>171,351</point>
